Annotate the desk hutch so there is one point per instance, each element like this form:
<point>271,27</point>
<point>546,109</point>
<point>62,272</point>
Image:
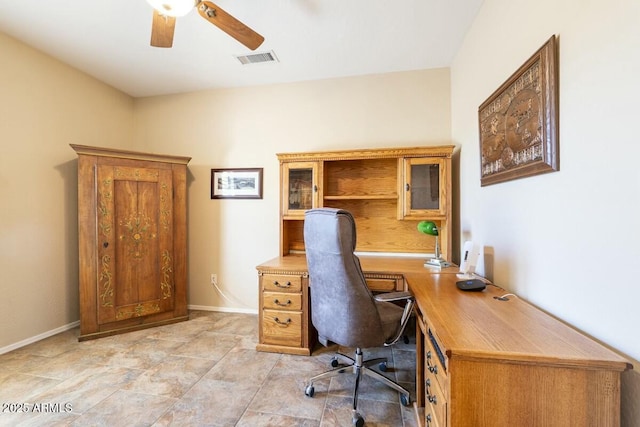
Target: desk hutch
<point>388,191</point>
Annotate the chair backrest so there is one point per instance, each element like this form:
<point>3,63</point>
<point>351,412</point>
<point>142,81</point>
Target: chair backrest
<point>343,309</point>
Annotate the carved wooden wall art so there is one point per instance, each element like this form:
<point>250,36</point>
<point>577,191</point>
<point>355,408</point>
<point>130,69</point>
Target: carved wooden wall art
<point>518,122</point>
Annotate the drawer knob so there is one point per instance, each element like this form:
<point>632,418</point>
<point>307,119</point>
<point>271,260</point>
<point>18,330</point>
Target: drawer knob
<point>432,399</point>
<point>280,285</point>
<point>427,384</point>
<point>280,322</point>
<point>282,304</point>
<point>428,417</point>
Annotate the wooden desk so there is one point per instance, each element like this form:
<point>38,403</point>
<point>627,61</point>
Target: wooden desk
<point>506,363</point>
<point>480,361</point>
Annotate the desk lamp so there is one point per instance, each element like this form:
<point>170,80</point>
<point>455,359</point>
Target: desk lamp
<point>430,228</point>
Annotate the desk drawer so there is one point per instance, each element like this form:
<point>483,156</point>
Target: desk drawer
<point>435,387</point>
<point>430,419</point>
<point>281,327</point>
<point>382,285</point>
<point>385,282</point>
<point>435,360</point>
<point>281,283</point>
<point>282,301</point>
<point>436,402</point>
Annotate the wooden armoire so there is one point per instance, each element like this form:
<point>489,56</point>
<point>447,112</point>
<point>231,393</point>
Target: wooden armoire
<point>132,226</point>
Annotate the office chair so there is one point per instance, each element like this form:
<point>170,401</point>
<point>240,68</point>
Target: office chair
<point>343,309</point>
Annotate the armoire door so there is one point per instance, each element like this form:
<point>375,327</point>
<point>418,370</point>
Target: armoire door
<point>135,242</point>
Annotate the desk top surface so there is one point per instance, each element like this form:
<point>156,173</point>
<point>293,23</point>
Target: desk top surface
<point>475,324</point>
<point>369,263</point>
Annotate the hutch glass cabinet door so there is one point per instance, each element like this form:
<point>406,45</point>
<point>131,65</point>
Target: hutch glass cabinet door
<point>424,188</point>
<point>300,188</point>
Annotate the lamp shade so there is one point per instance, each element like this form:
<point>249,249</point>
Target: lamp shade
<point>428,227</point>
<point>173,7</point>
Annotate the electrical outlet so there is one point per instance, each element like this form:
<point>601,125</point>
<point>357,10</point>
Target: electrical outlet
<point>214,279</point>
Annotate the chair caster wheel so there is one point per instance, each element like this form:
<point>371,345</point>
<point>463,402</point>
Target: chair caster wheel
<point>309,391</point>
<point>405,339</point>
<point>357,420</point>
<point>334,362</point>
<point>405,399</point>
<point>383,366</point>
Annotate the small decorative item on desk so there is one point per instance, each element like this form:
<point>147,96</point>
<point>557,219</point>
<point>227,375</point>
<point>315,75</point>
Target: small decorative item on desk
<point>430,228</point>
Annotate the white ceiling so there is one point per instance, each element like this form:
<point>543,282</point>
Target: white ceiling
<point>313,39</point>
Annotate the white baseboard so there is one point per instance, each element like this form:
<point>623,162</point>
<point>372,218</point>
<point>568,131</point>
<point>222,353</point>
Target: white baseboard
<point>38,337</point>
<point>223,309</point>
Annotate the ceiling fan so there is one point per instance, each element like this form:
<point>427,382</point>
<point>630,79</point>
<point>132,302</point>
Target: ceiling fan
<point>165,13</point>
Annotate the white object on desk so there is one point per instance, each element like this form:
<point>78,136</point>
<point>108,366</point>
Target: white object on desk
<point>470,253</point>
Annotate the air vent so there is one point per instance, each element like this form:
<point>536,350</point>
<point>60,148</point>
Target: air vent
<point>257,58</point>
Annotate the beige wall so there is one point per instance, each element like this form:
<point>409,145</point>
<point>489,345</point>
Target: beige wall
<point>566,241</point>
<point>247,127</point>
<point>45,106</point>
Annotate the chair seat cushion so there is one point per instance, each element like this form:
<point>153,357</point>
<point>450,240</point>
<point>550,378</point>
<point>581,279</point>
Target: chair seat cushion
<point>390,315</point>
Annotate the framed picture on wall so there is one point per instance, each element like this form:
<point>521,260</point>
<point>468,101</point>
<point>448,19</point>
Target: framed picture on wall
<point>243,183</point>
<point>519,121</point>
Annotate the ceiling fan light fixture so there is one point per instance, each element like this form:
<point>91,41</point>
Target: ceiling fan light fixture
<point>174,8</point>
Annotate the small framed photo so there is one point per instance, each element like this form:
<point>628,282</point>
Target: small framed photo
<point>243,183</point>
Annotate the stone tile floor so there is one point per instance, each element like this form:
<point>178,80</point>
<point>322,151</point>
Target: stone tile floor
<point>203,372</point>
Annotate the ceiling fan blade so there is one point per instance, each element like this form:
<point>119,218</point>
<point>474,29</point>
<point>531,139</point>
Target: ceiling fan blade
<point>230,25</point>
<point>162,30</point>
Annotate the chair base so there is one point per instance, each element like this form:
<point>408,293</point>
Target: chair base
<point>359,368</point>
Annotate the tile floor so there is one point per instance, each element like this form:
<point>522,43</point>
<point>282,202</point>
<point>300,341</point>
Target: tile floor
<point>203,372</point>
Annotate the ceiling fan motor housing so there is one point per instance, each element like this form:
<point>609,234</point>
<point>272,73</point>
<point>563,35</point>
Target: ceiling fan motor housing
<point>173,8</point>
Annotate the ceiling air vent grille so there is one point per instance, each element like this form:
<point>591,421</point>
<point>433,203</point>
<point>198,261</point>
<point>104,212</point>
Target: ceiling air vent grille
<point>257,58</point>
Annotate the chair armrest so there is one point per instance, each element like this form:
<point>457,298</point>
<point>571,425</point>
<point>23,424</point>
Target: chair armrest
<point>393,296</point>
<point>408,309</point>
